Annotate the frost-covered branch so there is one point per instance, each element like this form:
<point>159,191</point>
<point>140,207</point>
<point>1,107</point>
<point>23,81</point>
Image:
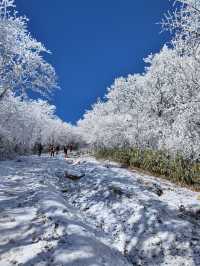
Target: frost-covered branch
<point>22,66</point>
<point>160,108</point>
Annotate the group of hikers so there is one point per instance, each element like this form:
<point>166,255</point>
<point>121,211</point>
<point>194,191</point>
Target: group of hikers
<point>55,149</point>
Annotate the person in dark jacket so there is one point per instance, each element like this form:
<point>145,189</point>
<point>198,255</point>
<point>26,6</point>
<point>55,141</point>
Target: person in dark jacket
<point>40,149</point>
<point>57,149</point>
<point>65,151</point>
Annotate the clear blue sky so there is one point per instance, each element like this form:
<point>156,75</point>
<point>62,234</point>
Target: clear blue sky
<point>92,42</point>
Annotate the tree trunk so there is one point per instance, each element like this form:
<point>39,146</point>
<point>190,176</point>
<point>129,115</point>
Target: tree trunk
<point>3,94</point>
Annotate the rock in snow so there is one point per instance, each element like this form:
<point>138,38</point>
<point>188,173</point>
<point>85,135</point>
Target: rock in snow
<point>73,175</point>
<point>109,217</point>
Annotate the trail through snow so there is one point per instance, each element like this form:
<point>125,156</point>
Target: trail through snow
<point>110,216</point>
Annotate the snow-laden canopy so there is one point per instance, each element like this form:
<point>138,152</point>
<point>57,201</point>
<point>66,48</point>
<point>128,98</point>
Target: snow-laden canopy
<point>24,122</point>
<point>160,108</point>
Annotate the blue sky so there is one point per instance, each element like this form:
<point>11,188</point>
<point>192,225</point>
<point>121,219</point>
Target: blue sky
<point>93,42</point>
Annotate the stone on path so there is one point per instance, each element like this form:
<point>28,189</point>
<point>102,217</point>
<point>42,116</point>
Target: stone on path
<point>73,175</point>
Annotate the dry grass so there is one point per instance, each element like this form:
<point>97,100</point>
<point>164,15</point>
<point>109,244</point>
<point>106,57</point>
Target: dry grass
<point>158,163</point>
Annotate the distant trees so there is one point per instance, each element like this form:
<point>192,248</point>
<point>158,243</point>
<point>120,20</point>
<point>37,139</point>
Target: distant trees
<point>159,109</point>
<point>24,122</point>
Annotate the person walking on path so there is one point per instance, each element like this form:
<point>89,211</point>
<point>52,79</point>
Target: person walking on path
<point>65,151</point>
<point>52,150</point>
<point>49,150</point>
<point>57,149</point>
<point>70,147</point>
<point>40,148</point>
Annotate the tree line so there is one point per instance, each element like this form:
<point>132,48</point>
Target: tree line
<point>25,122</point>
<point>160,108</point>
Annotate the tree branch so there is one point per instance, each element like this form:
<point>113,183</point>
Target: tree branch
<point>190,5</point>
<point>3,93</point>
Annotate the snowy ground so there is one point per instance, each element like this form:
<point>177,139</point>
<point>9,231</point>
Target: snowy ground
<point>110,216</point>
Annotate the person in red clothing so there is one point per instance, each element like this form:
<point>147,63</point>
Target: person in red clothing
<point>71,147</point>
<point>52,150</point>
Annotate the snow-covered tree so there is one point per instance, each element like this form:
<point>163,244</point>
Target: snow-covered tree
<point>158,109</point>
<point>22,66</point>
<point>23,122</point>
<point>26,123</point>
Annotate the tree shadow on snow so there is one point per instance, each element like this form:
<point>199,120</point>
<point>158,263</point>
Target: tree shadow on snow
<point>38,225</point>
<point>155,233</point>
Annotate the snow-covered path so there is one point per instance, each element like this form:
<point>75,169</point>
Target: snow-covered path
<point>111,216</point>
<point>38,227</point>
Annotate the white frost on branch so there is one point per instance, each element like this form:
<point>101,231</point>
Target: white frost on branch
<point>23,122</point>
<point>22,66</point>
<point>159,109</point>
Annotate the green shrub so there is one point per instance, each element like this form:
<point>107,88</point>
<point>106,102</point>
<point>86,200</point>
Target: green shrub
<point>174,168</point>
